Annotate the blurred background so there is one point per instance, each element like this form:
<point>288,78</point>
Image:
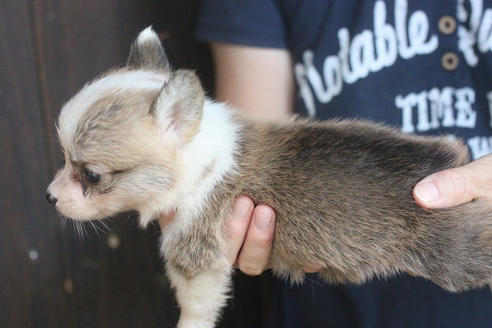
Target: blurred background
<point>112,276</point>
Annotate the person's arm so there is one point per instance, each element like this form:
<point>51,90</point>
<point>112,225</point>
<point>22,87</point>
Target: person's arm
<point>258,81</point>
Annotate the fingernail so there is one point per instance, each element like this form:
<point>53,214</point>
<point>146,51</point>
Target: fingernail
<point>427,191</point>
<point>240,208</point>
<point>263,220</point>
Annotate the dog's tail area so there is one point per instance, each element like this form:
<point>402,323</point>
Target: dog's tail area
<point>455,250</point>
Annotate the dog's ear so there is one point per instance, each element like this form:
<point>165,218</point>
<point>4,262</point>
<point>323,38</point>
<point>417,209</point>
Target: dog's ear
<point>147,52</point>
<point>178,108</point>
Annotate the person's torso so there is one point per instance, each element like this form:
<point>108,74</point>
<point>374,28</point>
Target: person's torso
<point>424,66</point>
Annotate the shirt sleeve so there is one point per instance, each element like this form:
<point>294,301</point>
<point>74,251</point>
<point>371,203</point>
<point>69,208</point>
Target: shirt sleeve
<point>248,22</point>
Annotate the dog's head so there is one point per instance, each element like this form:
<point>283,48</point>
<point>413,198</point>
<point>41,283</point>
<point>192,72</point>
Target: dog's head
<point>120,136</point>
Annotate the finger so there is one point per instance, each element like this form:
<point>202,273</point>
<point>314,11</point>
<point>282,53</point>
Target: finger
<point>237,225</point>
<point>456,186</point>
<point>255,252</point>
<point>480,171</point>
<point>444,189</point>
<point>165,219</point>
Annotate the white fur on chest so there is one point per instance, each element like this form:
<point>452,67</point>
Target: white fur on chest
<point>205,162</point>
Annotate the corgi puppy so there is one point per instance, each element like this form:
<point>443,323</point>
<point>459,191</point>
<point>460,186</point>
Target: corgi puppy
<point>146,138</point>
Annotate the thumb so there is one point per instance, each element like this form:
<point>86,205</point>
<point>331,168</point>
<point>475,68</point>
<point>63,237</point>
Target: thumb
<point>445,189</point>
<point>456,186</point>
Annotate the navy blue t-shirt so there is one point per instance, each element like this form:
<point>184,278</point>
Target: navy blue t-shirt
<point>424,66</point>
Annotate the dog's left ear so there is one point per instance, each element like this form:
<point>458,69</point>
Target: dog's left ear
<point>147,52</point>
<point>178,108</point>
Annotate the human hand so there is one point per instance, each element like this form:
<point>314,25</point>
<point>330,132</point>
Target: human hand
<point>250,232</point>
<point>456,186</point>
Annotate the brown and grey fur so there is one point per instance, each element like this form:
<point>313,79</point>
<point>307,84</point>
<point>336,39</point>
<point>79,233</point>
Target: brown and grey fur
<point>344,199</point>
<point>342,191</point>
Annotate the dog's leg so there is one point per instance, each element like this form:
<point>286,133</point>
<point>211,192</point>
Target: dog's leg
<point>202,297</point>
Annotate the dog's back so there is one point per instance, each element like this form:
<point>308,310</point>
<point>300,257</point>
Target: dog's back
<point>342,191</point>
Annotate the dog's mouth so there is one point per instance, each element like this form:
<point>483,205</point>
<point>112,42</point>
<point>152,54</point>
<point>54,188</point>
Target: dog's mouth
<point>130,214</point>
<point>166,218</point>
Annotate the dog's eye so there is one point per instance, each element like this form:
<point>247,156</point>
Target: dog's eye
<point>92,177</point>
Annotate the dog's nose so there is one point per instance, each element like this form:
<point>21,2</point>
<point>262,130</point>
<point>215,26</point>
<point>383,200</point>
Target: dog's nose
<point>50,199</point>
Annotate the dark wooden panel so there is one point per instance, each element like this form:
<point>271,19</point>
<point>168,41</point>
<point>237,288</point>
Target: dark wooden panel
<point>176,23</point>
<point>107,287</point>
<point>30,275</point>
<point>77,40</point>
<point>118,286</point>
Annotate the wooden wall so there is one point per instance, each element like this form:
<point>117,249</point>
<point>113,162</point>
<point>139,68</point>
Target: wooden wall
<point>49,275</point>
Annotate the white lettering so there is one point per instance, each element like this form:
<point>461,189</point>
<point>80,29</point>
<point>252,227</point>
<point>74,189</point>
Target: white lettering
<point>418,28</point>
<point>344,41</point>
<point>461,12</point>
<point>304,90</point>
<point>400,16</point>
<point>480,146</point>
<point>333,76</point>
<point>434,108</point>
<point>418,31</point>
<point>362,54</point>
<point>485,32</point>
<point>369,51</point>
<point>315,79</point>
<point>423,116</point>
<point>441,107</point>
<point>406,104</point>
<point>466,116</point>
<point>489,98</point>
<point>480,29</point>
<point>386,47</point>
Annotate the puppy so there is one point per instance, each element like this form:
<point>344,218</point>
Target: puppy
<point>146,138</point>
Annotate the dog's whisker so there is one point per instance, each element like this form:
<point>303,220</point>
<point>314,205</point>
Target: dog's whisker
<point>107,228</point>
<point>96,230</point>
